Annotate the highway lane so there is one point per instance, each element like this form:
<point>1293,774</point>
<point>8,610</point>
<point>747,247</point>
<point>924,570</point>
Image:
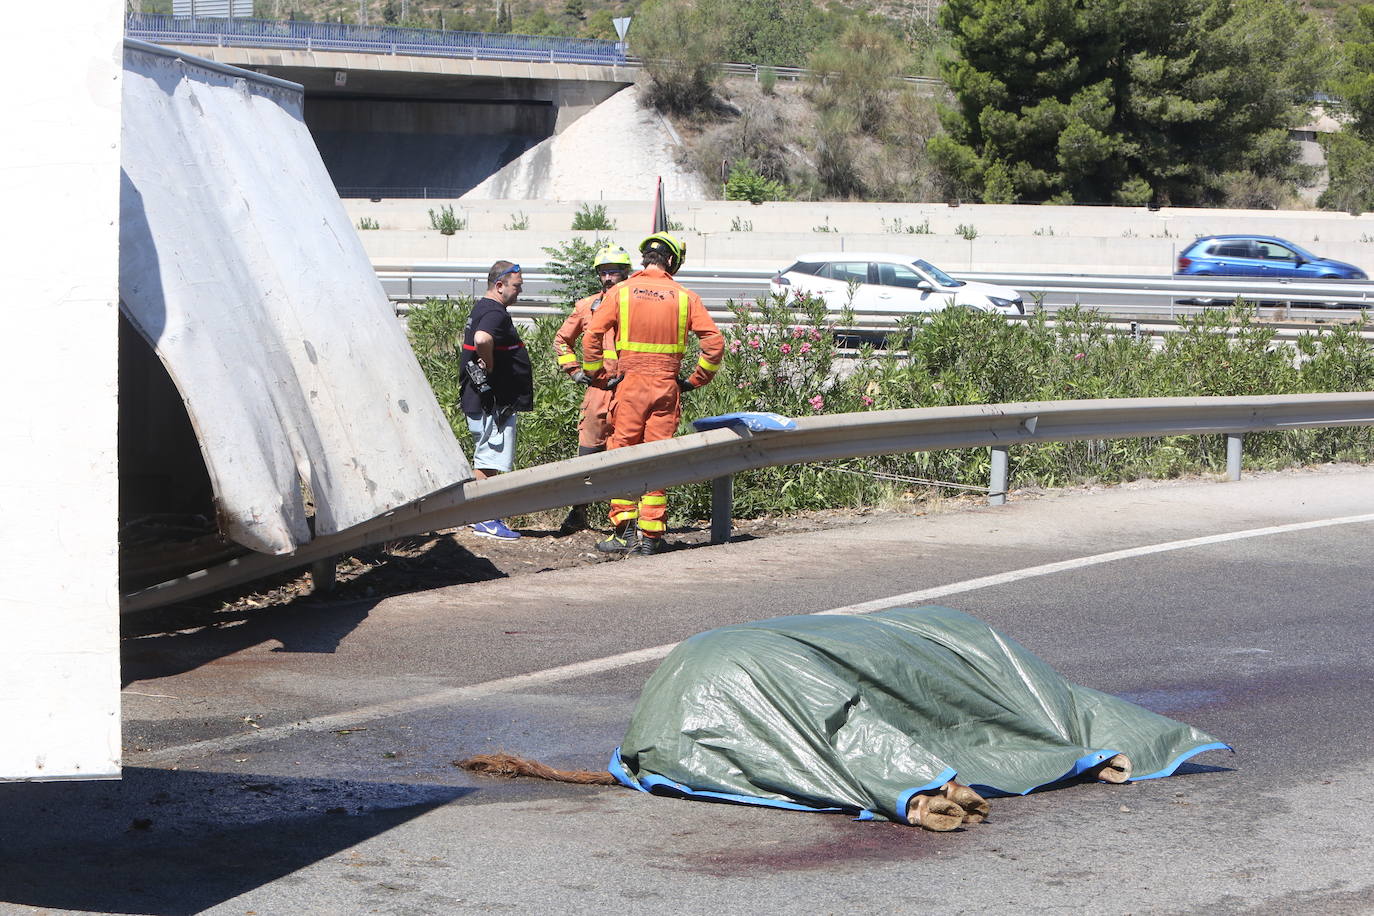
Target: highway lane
<point>299,762</point>
<point>1141,296</point>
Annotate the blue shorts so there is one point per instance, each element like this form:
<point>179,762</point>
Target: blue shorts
<point>493,444</point>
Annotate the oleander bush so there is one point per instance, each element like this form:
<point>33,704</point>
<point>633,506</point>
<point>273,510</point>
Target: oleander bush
<point>782,356</point>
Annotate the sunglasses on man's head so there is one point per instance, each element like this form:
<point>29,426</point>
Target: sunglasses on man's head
<point>513,269</point>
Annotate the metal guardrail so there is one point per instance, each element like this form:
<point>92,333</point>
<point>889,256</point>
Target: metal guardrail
<point>1156,298</point>
<point>420,282</point>
<point>719,454</point>
<point>800,73</point>
<point>333,36</point>
<point>1201,291</point>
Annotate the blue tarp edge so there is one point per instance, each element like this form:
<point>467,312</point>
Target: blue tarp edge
<point>1183,758</point>
<point>649,782</point>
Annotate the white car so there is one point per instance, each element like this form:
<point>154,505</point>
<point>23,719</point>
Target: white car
<point>890,283</point>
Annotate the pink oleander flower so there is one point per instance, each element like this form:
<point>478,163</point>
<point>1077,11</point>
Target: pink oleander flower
<point>866,400</point>
<point>815,333</point>
<point>817,403</point>
<point>734,346</point>
<point>755,342</point>
<point>804,348</point>
<point>786,349</point>
<point>1078,356</point>
<point>798,332</point>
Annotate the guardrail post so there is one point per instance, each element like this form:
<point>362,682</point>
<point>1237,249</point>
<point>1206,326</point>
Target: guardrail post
<point>1233,441</point>
<point>722,507</point>
<point>322,575</point>
<point>997,487</point>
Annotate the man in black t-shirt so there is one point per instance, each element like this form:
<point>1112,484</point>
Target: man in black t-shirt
<point>497,382</point>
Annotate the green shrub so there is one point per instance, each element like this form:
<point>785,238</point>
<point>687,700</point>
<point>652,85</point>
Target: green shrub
<point>679,42</point>
<point>445,221</point>
<point>898,227</point>
<point>746,184</point>
<point>589,217</point>
<point>368,222</point>
<point>572,266</point>
<point>768,80</point>
<point>518,222</point>
<point>436,335</point>
<point>781,356</point>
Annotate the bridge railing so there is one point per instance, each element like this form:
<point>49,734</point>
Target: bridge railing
<point>334,36</point>
<point>161,28</point>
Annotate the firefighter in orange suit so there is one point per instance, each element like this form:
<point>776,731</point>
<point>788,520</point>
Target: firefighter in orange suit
<point>612,266</point>
<point>650,315</point>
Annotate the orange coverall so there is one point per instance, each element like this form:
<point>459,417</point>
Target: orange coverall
<point>594,427</point>
<point>651,314</point>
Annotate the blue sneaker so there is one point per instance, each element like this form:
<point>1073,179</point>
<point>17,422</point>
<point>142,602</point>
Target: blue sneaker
<point>495,529</point>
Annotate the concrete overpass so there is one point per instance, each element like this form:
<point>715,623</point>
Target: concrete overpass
<point>396,125</point>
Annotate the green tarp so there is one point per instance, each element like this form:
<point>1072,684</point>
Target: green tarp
<point>859,713</point>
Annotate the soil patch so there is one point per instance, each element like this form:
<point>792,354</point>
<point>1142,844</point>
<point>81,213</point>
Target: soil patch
<point>458,556</point>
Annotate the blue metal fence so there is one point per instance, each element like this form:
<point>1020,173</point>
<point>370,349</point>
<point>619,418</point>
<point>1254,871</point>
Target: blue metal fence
<point>332,36</point>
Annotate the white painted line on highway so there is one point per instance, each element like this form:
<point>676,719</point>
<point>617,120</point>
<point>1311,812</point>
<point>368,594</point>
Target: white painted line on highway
<point>534,679</point>
<point>1031,572</point>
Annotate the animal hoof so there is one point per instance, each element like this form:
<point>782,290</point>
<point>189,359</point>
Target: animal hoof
<point>975,806</point>
<point>935,812</point>
<point>1114,770</point>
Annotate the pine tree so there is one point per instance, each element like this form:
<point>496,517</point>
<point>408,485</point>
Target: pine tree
<point>1094,101</point>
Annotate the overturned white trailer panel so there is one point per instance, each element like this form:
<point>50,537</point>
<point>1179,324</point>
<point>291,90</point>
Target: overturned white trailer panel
<point>241,268</point>
<point>59,620</point>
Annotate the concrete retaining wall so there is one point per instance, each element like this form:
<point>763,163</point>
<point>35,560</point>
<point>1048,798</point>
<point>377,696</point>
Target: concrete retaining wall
<point>1049,239</point>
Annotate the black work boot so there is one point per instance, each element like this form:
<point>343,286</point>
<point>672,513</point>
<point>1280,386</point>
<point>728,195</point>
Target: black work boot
<point>575,522</point>
<point>646,546</point>
<point>621,540</point>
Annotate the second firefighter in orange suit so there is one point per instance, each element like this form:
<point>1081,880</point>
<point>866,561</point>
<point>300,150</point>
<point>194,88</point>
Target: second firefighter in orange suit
<point>650,315</point>
<point>612,264</point>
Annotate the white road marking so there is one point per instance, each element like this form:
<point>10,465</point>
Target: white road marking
<point>549,676</point>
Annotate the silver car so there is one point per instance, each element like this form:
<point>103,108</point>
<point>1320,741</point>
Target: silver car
<point>876,282</point>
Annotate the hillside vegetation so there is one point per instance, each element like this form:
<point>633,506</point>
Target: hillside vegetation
<point>1130,102</point>
<point>1170,102</point>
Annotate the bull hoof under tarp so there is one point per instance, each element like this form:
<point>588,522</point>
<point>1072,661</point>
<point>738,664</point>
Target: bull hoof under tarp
<point>935,812</point>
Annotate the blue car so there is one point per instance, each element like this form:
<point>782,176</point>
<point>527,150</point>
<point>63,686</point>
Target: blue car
<point>1259,256</point>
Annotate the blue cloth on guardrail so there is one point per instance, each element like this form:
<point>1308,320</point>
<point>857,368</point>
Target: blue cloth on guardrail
<point>750,420</point>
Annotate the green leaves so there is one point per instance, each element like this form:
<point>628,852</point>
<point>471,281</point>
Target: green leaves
<point>746,184</point>
<point>1094,100</point>
<point>571,264</point>
<point>781,356</point>
<point>1350,159</point>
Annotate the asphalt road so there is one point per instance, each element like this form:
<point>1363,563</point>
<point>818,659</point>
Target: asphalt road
<point>300,762</point>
